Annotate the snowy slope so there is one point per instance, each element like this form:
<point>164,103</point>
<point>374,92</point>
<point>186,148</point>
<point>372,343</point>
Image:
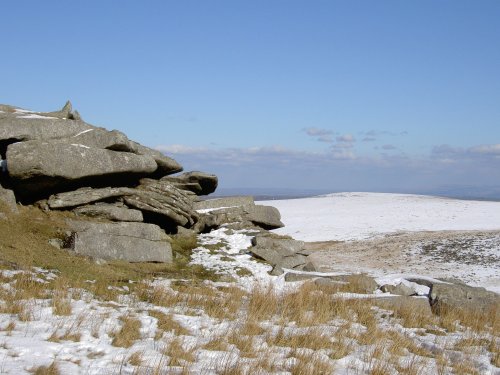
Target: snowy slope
<point>354,216</point>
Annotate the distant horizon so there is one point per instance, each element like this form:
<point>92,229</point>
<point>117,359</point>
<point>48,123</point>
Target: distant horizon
<point>466,193</point>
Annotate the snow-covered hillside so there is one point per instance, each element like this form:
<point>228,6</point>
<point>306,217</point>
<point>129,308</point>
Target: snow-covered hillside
<point>354,216</point>
<point>399,234</point>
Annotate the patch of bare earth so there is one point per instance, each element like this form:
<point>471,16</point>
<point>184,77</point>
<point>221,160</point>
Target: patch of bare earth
<point>473,256</point>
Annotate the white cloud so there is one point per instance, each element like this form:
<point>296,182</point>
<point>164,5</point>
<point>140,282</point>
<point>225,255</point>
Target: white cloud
<point>180,149</point>
<point>346,138</point>
<point>486,149</point>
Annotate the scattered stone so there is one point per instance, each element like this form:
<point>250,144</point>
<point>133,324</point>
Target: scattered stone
<point>131,242</point>
<point>293,277</point>
<point>278,251</point>
<point>57,243</point>
<point>310,266</point>
<point>458,296</point>
<point>399,289</point>
<point>276,271</point>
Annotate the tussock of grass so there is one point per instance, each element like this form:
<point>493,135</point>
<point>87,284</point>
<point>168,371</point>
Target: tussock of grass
<point>128,333</point>
<point>178,354</point>
<point>51,369</point>
<point>167,323</point>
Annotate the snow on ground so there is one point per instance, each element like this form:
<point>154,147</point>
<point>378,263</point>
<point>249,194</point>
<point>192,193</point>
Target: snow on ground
<point>26,344</point>
<point>399,234</point>
<point>356,216</point>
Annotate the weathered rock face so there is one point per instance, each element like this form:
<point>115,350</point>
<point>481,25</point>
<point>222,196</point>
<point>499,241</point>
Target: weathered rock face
<point>117,184</point>
<point>131,242</point>
<point>85,196</point>
<point>198,182</point>
<point>106,211</point>
<point>165,200</point>
<point>63,149</point>
<point>38,166</point>
<point>170,205</point>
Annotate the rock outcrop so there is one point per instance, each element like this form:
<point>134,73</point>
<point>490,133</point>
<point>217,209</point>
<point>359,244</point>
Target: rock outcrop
<point>126,196</point>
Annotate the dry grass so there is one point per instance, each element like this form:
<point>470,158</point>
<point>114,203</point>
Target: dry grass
<point>178,353</point>
<point>51,369</point>
<point>411,314</point>
<point>24,245</point>
<point>487,321</point>
<point>61,297</point>
<point>135,359</point>
<point>311,364</point>
<point>217,343</point>
<point>128,333</point>
<point>167,323</point>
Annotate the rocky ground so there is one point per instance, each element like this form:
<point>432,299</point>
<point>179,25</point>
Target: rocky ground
<point>471,256</point>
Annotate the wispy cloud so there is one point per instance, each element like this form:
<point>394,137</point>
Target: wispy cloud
<point>486,149</point>
<point>340,167</point>
<point>321,135</point>
<point>389,147</point>
<point>317,132</point>
<point>346,138</point>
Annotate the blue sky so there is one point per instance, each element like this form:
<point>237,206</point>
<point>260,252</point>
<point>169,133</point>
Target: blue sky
<point>334,95</point>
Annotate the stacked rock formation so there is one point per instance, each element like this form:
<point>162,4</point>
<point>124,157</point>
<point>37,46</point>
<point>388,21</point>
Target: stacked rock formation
<point>126,197</point>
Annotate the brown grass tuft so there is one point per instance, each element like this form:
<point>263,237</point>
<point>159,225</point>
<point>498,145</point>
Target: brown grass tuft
<point>128,333</point>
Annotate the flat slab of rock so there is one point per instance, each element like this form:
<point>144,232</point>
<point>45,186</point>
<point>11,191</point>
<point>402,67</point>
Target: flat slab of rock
<point>85,196</point>
<point>224,203</point>
<point>21,125</point>
<point>265,217</point>
<point>44,165</point>
<point>131,242</point>
<point>109,212</point>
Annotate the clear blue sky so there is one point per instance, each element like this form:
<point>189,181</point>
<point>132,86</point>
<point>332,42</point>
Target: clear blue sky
<point>339,95</point>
